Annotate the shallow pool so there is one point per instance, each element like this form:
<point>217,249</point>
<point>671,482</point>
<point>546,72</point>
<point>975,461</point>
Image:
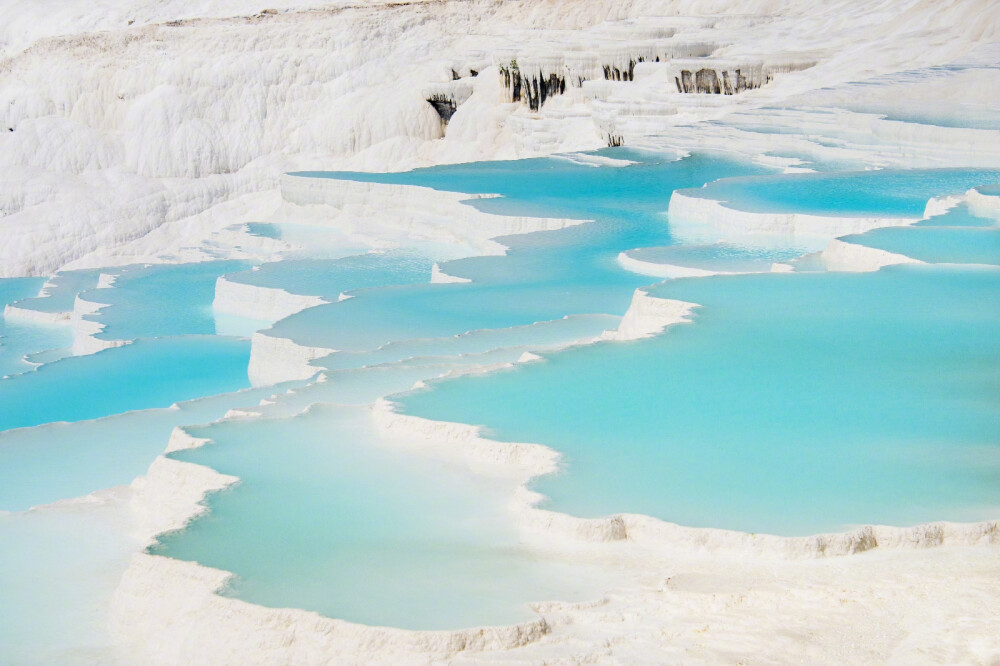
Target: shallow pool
<point>20,339</point>
<point>887,193</point>
<point>544,275</point>
<point>328,517</point>
<point>794,404</point>
<point>160,301</point>
<point>147,373</point>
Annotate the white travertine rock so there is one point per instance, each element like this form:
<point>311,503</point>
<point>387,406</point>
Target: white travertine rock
<point>171,493</point>
<point>984,205</point>
<point>440,277</point>
<point>168,611</point>
<point>464,443</point>
<point>143,131</point>
<point>792,228</point>
<point>85,330</point>
<point>419,213</point>
<point>662,270</point>
<point>647,316</point>
<point>14,312</point>
<point>121,119</point>
<point>260,303</point>
<point>274,359</point>
<point>854,257</point>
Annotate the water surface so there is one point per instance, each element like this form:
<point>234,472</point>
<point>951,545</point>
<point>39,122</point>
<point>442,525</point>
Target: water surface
<point>335,522</point>
<point>794,404</point>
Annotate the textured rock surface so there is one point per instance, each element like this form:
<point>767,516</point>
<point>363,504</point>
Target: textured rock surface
<point>143,131</point>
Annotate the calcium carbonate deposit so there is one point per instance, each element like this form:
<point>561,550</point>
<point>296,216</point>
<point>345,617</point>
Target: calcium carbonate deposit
<point>499,331</point>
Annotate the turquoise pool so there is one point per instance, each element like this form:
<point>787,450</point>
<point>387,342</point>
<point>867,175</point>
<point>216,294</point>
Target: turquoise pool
<point>793,404</point>
<point>160,301</point>
<point>147,373</point>
<point>886,193</point>
<point>338,521</point>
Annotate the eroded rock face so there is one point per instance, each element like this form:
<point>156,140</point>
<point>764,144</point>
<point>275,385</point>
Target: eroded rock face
<point>686,82</point>
<point>625,73</point>
<point>444,105</point>
<point>447,97</point>
<point>532,76</point>
<point>730,76</point>
<point>718,81</point>
<point>707,81</point>
<point>533,89</point>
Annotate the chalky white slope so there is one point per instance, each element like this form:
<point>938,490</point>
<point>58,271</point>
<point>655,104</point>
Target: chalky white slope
<point>143,131</point>
<point>117,121</point>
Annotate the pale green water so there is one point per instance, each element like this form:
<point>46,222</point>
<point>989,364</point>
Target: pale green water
<point>58,571</point>
<point>99,453</point>
<point>336,521</point>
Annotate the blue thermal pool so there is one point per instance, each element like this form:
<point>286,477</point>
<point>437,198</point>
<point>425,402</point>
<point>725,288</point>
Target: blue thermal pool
<point>793,404</point>
<point>147,373</point>
<point>330,278</point>
<point>938,245</point>
<point>722,257</point>
<point>545,275</point>
<point>61,290</point>
<point>19,338</point>
<point>160,301</point>
<point>337,521</point>
<point>888,193</point>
